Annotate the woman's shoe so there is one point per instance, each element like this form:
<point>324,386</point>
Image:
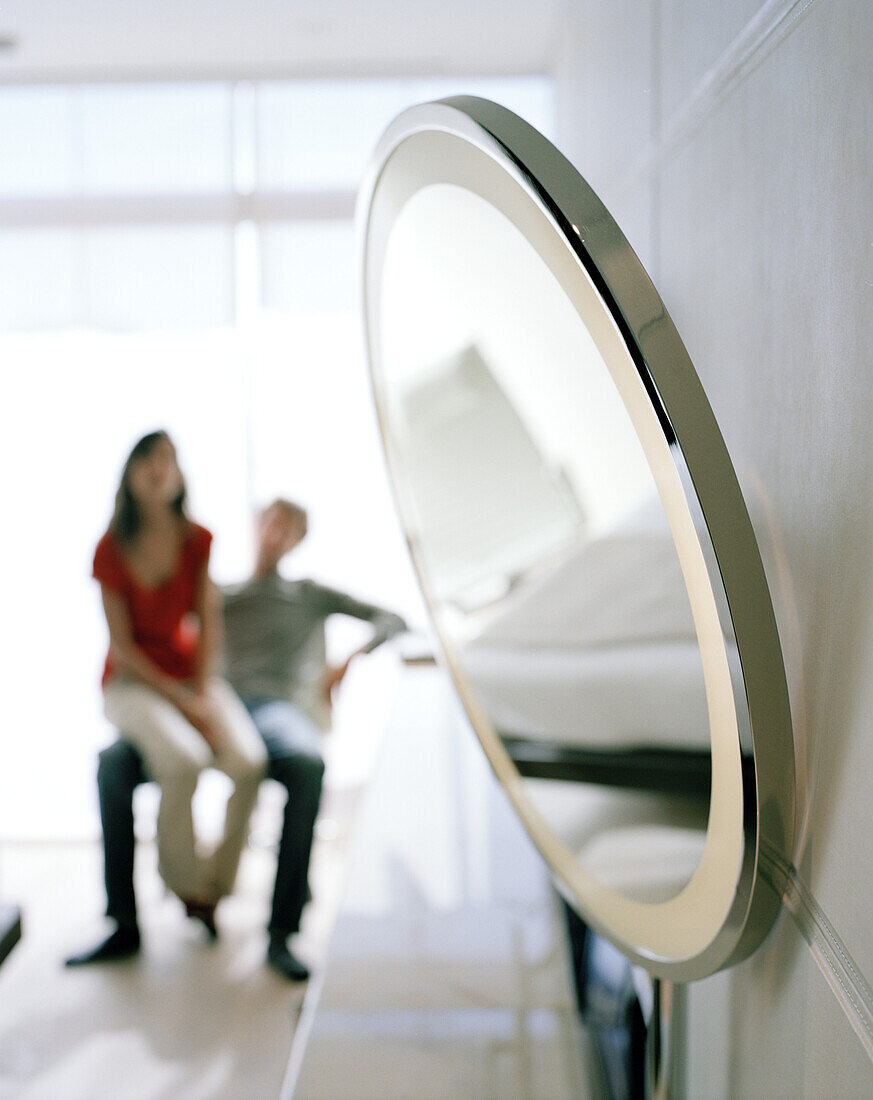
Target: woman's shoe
<point>204,911</point>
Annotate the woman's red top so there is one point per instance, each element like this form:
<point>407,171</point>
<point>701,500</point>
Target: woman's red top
<point>159,617</point>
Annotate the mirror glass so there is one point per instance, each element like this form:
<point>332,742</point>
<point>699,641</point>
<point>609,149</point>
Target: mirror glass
<point>542,542</point>
<point>579,535</point>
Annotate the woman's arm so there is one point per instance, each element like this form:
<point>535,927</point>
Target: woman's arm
<point>209,612</point>
<point>126,654</point>
<point>128,658</point>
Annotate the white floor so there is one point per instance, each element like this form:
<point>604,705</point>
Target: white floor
<point>186,1020</point>
<point>446,974</point>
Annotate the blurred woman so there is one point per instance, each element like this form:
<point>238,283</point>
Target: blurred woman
<point>158,683</point>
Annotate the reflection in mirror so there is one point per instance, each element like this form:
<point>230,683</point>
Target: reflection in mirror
<point>537,527</point>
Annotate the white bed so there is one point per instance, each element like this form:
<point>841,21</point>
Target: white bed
<point>599,651</point>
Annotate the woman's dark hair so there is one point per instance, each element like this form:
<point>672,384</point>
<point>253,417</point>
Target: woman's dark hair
<point>126,519</point>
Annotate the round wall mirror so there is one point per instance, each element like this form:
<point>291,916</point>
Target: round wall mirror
<point>579,535</point>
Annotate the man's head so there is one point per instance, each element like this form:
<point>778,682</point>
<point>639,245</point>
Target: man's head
<point>280,527</point>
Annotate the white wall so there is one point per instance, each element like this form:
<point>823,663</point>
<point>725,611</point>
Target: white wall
<point>732,142</point>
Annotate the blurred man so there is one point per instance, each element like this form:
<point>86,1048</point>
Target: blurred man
<point>275,659</point>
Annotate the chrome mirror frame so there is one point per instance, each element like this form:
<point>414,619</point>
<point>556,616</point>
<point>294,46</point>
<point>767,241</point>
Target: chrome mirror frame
<point>728,907</point>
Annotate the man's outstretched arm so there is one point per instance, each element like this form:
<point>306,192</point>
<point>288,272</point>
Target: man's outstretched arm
<point>386,625</point>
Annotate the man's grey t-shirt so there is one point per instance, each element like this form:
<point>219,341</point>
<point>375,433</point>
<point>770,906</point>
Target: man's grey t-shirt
<point>274,637</point>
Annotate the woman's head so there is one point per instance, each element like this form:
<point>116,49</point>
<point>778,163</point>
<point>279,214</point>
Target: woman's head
<point>151,478</point>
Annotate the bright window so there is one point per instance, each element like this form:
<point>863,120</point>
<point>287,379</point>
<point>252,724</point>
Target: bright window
<point>166,260</point>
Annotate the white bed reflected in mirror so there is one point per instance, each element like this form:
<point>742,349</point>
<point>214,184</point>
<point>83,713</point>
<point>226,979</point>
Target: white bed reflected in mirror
<point>540,536</point>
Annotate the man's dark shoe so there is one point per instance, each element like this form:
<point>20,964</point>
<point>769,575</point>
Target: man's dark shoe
<point>123,943</point>
<point>284,962</point>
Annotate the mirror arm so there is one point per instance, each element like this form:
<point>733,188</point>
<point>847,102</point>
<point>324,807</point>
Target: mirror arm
<point>664,1056</point>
